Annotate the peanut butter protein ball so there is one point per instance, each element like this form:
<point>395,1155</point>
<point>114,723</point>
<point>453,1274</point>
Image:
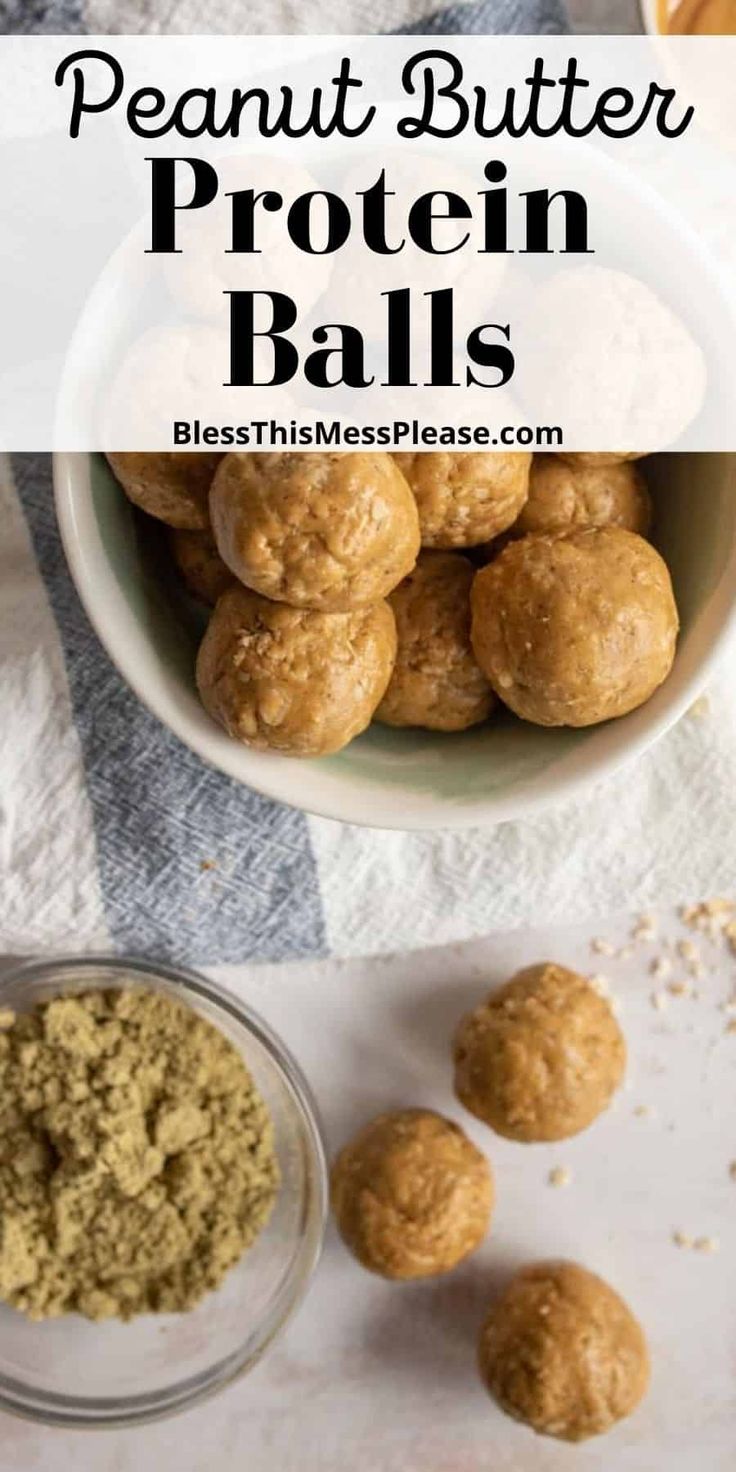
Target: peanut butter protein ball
<point>326,531</point>
<point>600,457</point>
<point>575,627</point>
<point>172,487</point>
<point>199,564</point>
<point>541,1058</point>
<point>294,680</point>
<point>563,1353</point>
<point>464,498</point>
<point>411,1195</point>
<point>566,494</point>
<point>436,682</point>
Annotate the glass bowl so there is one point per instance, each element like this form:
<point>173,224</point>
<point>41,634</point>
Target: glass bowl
<point>71,1372</point>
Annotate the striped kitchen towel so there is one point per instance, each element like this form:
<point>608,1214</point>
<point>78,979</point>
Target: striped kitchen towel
<point>113,835</point>
<point>283,17</point>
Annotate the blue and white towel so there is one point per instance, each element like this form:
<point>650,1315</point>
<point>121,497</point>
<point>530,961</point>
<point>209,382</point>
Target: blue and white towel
<point>112,834</point>
<point>284,17</point>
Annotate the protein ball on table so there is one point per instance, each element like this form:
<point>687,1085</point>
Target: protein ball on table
<point>412,1196</point>
<point>541,1058</point>
<point>563,1353</point>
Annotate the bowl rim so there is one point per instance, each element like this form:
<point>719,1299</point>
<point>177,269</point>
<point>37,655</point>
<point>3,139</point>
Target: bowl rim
<point>102,1412</point>
<point>649,10</point>
<point>286,780</point>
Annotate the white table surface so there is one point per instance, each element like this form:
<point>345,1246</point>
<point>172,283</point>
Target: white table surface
<point>380,1377</point>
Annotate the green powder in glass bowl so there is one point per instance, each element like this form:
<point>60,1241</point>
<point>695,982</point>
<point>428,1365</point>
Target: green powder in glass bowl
<point>137,1160</point>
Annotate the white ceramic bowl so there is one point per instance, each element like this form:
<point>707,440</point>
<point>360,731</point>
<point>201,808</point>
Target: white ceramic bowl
<point>649,14</point>
<point>389,778</point>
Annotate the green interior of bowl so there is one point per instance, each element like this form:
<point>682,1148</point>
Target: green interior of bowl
<point>695,529</point>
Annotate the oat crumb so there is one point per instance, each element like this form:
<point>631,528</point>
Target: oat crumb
<point>661,967</point>
<point>602,947</point>
<point>643,1111</point>
<point>208,864</point>
<point>679,988</point>
<point>681,1239</point>
<point>708,916</point>
<point>706,1244</point>
<point>559,1176</point>
<point>688,950</point>
<point>732,1170</point>
<point>645,928</point>
<point>659,1001</point>
<point>600,984</point>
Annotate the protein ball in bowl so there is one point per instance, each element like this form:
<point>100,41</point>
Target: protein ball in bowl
<point>202,272</point>
<point>562,1352</point>
<point>464,498</point>
<point>199,564</point>
<point>600,457</point>
<point>294,680</point>
<point>411,1194</point>
<point>325,531</point>
<point>437,682</point>
<point>575,627</point>
<point>566,494</point>
<point>172,487</point>
<point>541,1058</point>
